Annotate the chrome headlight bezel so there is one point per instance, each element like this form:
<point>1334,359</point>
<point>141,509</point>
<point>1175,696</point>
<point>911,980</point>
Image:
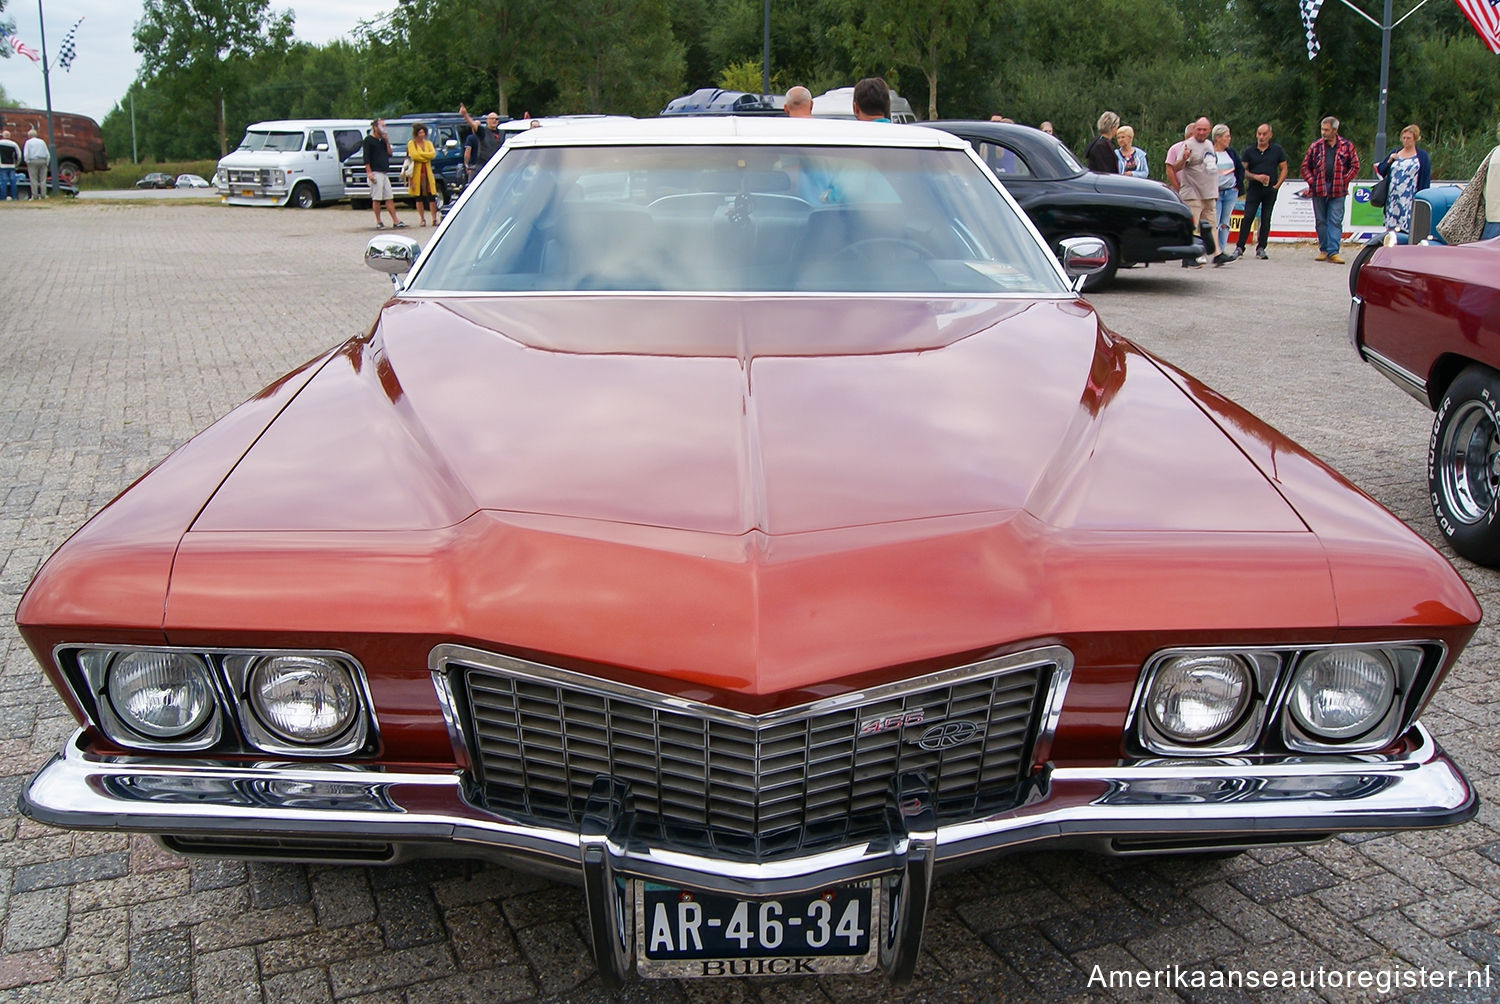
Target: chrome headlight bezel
<point>98,668</point>
<point>232,726</point>
<point>1405,664</point>
<point>241,669</point>
<point>1269,725</point>
<point>1239,735</point>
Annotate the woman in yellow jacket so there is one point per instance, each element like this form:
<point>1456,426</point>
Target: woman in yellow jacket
<point>419,156</point>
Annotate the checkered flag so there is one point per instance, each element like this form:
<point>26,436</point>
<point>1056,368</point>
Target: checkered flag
<point>66,53</point>
<point>1309,10</point>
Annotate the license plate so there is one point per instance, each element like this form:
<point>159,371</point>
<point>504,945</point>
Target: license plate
<point>687,933</point>
<point>247,193</point>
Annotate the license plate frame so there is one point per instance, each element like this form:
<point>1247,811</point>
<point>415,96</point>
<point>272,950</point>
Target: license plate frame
<point>796,915</point>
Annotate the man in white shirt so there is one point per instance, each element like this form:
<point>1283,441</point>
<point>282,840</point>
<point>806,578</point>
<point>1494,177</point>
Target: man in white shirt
<point>38,158</point>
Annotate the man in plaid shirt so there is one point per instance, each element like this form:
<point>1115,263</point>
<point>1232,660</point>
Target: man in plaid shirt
<point>1331,163</point>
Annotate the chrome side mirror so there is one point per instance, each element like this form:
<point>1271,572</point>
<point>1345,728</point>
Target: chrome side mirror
<point>1082,257</point>
<point>392,255</point>
<point>452,144</point>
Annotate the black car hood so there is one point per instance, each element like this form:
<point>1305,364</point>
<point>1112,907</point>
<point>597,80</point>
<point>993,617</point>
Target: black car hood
<point>1139,188</point>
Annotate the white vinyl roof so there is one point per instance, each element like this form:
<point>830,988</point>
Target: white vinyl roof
<point>716,129</point>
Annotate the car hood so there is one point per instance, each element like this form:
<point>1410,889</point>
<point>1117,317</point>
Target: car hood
<point>1139,188</point>
<point>778,415</point>
<point>251,159</point>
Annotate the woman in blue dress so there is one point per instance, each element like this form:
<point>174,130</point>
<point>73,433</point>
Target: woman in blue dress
<point>1410,171</point>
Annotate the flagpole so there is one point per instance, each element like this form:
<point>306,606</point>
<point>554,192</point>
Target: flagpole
<point>1385,81</point>
<point>47,90</point>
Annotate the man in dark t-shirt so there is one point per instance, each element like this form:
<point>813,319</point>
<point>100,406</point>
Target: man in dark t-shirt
<point>487,139</point>
<point>377,151</point>
<point>1265,170</point>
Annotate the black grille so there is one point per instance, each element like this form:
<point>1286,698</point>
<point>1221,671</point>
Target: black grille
<point>706,779</point>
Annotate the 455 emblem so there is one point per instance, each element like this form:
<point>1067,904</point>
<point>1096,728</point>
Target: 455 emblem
<point>890,723</point>
<point>938,736</point>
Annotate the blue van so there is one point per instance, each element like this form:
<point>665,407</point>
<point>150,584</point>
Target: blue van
<point>447,131</point>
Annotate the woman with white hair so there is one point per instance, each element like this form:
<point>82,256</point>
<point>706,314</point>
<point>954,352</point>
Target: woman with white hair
<point>1231,183</point>
<point>1130,158</point>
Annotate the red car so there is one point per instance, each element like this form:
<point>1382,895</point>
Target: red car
<point>1428,318</point>
<point>744,518</point>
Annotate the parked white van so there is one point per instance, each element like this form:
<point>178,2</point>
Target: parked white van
<point>839,104</point>
<point>296,161</point>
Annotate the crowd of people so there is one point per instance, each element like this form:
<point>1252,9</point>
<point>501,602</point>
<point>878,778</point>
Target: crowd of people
<point>36,159</point>
<point>1210,176</point>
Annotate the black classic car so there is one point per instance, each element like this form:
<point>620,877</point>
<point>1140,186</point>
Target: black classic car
<point>1141,221</point>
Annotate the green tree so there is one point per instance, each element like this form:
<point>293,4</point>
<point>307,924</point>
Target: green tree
<point>199,47</point>
<point>801,50</point>
<point>425,41</point>
<point>886,34</point>
<point>616,57</point>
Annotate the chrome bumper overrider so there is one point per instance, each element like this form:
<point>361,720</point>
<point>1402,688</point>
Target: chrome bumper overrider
<point>1179,804</point>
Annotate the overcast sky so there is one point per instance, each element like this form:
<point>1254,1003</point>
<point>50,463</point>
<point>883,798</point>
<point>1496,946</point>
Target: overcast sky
<point>106,63</point>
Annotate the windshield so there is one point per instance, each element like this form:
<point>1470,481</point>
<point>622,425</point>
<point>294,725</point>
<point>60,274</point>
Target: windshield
<point>399,134</point>
<point>738,219</point>
<point>1066,155</point>
<point>279,142</point>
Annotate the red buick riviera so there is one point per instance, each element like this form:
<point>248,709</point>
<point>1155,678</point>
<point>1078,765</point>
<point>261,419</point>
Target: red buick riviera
<point>1428,318</point>
<point>746,518</point>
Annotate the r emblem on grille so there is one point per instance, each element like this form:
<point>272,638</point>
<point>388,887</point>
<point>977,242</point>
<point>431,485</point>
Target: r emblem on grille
<point>949,734</point>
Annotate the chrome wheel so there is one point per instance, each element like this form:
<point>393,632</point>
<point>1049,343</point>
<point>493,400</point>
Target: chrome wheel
<point>1468,455</point>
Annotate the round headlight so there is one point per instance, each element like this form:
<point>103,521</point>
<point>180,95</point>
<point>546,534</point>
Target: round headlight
<point>1196,698</point>
<point>1342,693</point>
<point>303,699</point>
<point>163,695</point>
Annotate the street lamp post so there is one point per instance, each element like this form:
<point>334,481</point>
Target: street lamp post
<point>47,91</point>
<point>765,48</point>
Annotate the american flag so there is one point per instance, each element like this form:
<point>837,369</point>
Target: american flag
<point>67,51</point>
<point>21,47</point>
<point>1309,11</point>
<point>1484,15</point>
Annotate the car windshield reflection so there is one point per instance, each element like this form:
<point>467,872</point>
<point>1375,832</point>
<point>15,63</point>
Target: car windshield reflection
<point>737,218</point>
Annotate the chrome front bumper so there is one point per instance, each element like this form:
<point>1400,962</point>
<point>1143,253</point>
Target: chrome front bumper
<point>1176,805</point>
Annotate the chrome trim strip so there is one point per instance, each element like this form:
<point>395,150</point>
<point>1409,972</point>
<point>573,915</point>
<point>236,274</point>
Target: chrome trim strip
<point>1066,295</point>
<point>1397,374</point>
<point>1356,315</point>
<point>442,656</point>
<point>1286,798</point>
<point>449,705</point>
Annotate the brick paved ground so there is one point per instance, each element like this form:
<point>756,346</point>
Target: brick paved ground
<point>129,327</point>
